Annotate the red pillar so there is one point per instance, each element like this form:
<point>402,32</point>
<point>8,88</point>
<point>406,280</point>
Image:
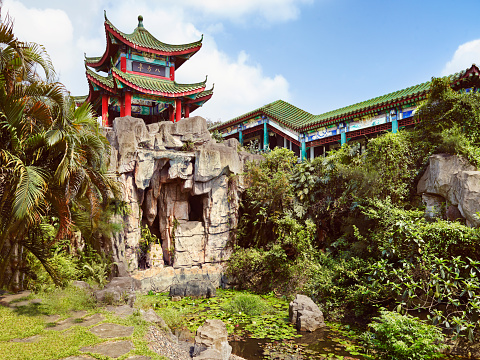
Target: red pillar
<point>121,102</point>
<point>105,110</point>
<point>187,111</point>
<point>171,115</point>
<point>128,103</point>
<point>178,110</point>
<point>172,73</point>
<point>123,64</point>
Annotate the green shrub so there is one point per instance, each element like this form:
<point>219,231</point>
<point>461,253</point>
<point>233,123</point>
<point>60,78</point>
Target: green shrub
<point>249,304</point>
<point>70,298</point>
<point>174,318</point>
<point>403,337</point>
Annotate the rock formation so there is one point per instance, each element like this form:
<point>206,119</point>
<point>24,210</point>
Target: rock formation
<point>305,314</point>
<point>451,186</point>
<point>211,341</point>
<point>185,187</point>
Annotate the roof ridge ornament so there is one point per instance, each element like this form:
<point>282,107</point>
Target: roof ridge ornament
<point>105,15</point>
<point>140,21</point>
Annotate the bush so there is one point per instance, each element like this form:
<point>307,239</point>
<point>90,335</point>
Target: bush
<point>249,304</point>
<point>403,337</point>
<point>174,318</point>
<point>70,298</point>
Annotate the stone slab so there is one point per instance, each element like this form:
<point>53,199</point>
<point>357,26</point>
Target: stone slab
<point>91,320</point>
<point>122,311</point>
<point>112,349</point>
<point>30,339</point>
<point>108,331</point>
<point>6,299</point>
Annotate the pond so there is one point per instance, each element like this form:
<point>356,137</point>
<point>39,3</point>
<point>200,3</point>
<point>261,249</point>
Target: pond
<point>326,343</point>
<point>258,327</point>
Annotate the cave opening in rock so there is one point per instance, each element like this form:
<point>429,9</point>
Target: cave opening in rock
<point>196,208</point>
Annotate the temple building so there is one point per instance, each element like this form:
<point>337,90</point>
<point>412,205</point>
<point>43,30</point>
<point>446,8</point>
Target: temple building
<point>280,124</point>
<point>139,78</point>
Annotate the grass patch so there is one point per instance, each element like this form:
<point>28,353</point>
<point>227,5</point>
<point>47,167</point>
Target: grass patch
<point>15,326</point>
<point>63,301</point>
<point>248,304</point>
<point>26,322</point>
<point>173,317</point>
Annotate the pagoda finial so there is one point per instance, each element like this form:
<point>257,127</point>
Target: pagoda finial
<point>140,21</point>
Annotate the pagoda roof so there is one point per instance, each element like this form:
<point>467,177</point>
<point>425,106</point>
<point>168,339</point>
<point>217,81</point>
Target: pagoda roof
<point>157,86</point>
<point>300,120</point>
<point>141,40</point>
<point>203,94</point>
<point>105,82</point>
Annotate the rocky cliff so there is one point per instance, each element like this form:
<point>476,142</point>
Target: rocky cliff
<point>185,187</point>
<point>450,187</point>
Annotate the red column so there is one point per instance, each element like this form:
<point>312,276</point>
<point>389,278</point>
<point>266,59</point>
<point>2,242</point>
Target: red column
<point>178,110</point>
<point>122,106</point>
<point>123,64</point>
<point>128,103</point>
<point>105,110</point>
<point>172,73</point>
<point>187,111</point>
<point>171,115</point>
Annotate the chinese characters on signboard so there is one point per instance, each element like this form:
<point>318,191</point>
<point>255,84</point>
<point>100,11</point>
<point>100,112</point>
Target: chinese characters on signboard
<point>148,68</point>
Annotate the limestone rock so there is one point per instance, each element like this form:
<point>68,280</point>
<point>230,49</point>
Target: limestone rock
<point>305,314</point>
<point>190,200</point>
<point>189,243</point>
<point>119,289</point>
<point>455,180</point>
<point>211,341</point>
<point>193,288</point>
<point>129,133</point>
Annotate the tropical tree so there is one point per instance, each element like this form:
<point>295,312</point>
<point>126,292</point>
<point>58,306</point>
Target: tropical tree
<point>52,158</point>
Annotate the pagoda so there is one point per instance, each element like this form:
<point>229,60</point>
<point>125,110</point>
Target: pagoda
<point>140,78</point>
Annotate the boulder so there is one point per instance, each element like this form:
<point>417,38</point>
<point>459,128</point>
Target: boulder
<point>211,341</point>
<point>119,290</point>
<point>456,181</point>
<point>193,288</point>
<point>305,314</point>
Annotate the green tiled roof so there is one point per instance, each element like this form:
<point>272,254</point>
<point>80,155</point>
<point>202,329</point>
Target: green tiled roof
<point>107,81</point>
<point>79,99</point>
<point>204,93</point>
<point>92,60</point>
<point>157,85</point>
<point>299,119</point>
<point>141,37</point>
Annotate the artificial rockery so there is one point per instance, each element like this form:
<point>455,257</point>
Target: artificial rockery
<point>182,189</point>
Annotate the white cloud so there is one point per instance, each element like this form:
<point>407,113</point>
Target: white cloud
<point>51,28</point>
<point>465,55</point>
<point>240,83</point>
<point>240,86</point>
<point>244,10</point>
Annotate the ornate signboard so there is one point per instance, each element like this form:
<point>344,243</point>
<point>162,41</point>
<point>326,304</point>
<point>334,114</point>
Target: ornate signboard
<point>148,68</point>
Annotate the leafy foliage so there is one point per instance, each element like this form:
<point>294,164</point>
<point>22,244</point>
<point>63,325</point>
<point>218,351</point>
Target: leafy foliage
<point>402,337</point>
<point>52,160</point>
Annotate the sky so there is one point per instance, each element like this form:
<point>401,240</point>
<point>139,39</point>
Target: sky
<point>319,55</point>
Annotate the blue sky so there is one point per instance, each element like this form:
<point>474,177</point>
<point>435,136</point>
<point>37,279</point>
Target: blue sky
<point>317,54</point>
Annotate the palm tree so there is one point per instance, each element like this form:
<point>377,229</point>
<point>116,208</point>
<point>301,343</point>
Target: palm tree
<point>52,157</point>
